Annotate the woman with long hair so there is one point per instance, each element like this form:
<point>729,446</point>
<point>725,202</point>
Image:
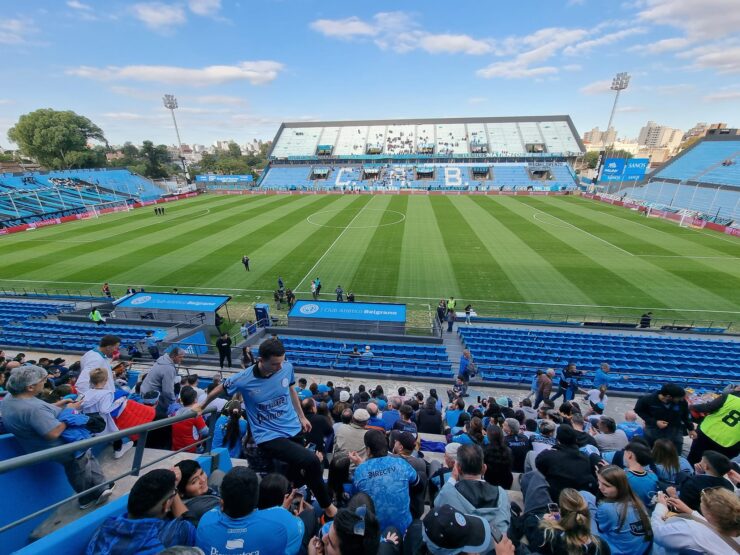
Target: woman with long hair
<point>568,532</point>
<point>230,429</point>
<point>678,529</point>
<point>498,459</point>
<point>622,519</point>
<point>473,433</point>
<point>670,468</point>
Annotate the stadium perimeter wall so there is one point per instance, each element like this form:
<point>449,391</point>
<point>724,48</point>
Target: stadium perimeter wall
<point>672,216</point>
<point>88,215</point>
<point>384,192</point>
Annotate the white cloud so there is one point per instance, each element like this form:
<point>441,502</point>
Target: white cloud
<point>16,30</point>
<point>723,95</point>
<point>661,46</point>
<point>398,31</point>
<point>207,8</point>
<point>75,5</point>
<point>477,100</point>
<point>220,99</point>
<point>597,87</point>
<point>514,70</point>
<point>454,44</point>
<point>572,67</point>
<point>344,28</point>
<point>132,92</point>
<point>669,90</point>
<point>722,57</point>
<point>256,72</point>
<point>158,16</point>
<point>5,101</point>
<point>609,38</point>
<point>703,20</point>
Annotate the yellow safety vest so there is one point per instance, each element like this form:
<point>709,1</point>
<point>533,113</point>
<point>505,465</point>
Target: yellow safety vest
<point>723,426</point>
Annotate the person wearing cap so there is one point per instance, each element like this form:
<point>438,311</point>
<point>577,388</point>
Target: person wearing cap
<point>404,446</point>
<point>666,415</point>
<point>35,425</point>
<point>469,493</point>
<point>564,466</point>
<point>387,480</point>
<point>368,352</point>
<point>441,474</point>
<point>302,389</point>
<point>350,437</point>
<point>147,528</point>
<point>99,357</point>
<point>448,531</point>
<point>276,418</point>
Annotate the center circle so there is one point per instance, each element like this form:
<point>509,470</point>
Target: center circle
<point>334,211</point>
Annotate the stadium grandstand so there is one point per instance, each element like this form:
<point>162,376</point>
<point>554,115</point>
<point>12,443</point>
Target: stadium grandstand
<point>507,153</point>
<point>704,178</point>
<point>34,196</point>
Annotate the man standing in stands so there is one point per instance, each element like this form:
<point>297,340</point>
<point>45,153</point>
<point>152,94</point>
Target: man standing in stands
<point>223,344</point>
<point>151,345</point>
<point>467,367</point>
<point>162,378</point>
<point>645,320</point>
<point>35,425</point>
<point>544,386</point>
<point>106,290</point>
<point>276,418</point>
<point>99,357</point>
<point>245,261</point>
<point>719,431</point>
<point>666,415</point>
<point>340,293</point>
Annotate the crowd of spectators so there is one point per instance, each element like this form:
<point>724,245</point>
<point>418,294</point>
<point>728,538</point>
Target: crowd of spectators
<point>331,470</point>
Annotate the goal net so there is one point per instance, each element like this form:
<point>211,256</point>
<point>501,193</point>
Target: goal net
<point>102,208</point>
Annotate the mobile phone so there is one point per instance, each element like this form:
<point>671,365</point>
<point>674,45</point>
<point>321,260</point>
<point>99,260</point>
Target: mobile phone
<point>496,534</point>
<point>311,447</point>
<point>80,397</point>
<point>554,509</point>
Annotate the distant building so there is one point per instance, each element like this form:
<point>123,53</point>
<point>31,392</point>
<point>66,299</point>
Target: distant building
<point>598,137</point>
<point>653,135</point>
<point>702,128</point>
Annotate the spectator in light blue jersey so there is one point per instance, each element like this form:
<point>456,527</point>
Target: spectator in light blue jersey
<point>631,426</point>
<point>621,519</point>
<point>386,479</point>
<point>275,416</point>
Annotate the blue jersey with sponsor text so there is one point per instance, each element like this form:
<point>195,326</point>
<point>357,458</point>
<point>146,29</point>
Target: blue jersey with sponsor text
<point>270,411</point>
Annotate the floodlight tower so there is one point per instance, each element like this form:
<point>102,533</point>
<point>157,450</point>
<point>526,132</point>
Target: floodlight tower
<point>619,83</point>
<point>170,102</point>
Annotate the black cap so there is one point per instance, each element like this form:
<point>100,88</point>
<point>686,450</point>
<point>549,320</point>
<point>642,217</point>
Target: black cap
<point>447,531</point>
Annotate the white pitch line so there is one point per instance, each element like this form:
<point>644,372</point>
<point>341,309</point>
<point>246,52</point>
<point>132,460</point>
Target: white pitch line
<point>689,257</point>
<point>731,241</point>
<point>334,243</point>
<point>579,229</point>
<point>359,294</point>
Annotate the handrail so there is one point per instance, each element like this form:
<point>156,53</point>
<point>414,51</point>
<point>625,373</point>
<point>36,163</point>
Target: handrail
<point>70,448</point>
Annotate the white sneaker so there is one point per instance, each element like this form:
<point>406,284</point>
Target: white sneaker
<point>124,448</point>
<point>102,498</point>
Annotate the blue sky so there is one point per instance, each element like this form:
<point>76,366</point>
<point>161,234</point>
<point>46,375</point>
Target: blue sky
<point>239,68</point>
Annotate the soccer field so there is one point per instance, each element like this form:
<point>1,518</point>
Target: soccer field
<point>526,255</point>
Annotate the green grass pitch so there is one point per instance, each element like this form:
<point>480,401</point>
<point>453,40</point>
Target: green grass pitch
<point>526,255</point>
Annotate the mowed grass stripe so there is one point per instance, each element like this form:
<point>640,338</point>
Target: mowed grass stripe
<point>477,272</point>
<point>340,264</point>
<point>35,254</point>
<point>597,280</point>
<point>130,256</point>
<point>656,243</point>
<point>507,241</point>
<point>379,268</point>
<point>141,253</point>
<point>109,225</point>
<point>267,246</point>
<point>195,259</point>
<point>714,283</point>
<point>425,268</point>
<point>707,242</point>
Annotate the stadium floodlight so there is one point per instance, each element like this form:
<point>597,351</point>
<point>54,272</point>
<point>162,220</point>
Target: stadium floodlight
<point>170,102</point>
<point>620,82</point>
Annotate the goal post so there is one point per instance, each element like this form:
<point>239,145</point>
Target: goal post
<point>102,208</point>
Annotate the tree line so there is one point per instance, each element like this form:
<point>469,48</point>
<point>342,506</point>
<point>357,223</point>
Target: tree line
<point>66,140</point>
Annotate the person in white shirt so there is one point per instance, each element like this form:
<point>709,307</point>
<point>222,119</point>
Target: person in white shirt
<point>713,531</point>
<point>99,357</point>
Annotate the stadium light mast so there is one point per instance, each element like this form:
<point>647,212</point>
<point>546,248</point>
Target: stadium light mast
<point>619,83</point>
<point>170,102</point>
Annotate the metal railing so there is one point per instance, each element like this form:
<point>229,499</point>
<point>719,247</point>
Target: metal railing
<point>56,453</point>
